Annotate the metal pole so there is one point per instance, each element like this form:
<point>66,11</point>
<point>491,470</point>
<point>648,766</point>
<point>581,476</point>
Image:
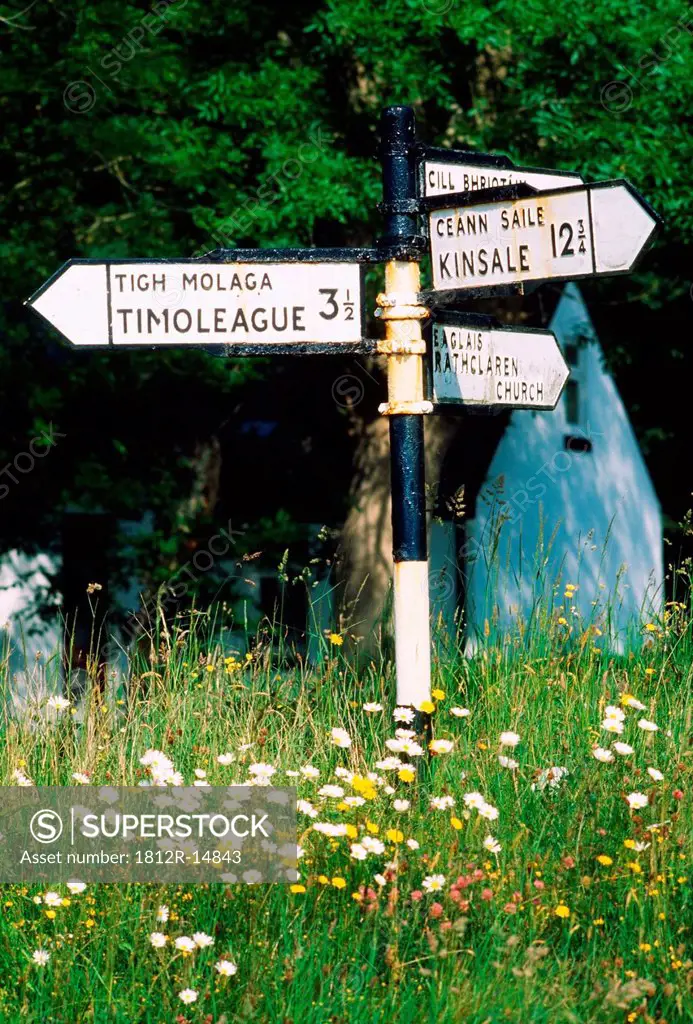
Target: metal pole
<point>402,312</point>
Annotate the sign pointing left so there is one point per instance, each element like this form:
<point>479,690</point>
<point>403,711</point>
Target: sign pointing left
<point>254,306</point>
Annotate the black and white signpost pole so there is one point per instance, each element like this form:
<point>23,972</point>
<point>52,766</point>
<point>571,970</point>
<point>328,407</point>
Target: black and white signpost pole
<point>492,226</point>
<point>402,312</point>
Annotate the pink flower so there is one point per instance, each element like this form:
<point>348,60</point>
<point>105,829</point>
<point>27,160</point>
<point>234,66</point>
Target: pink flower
<point>487,894</point>
<point>445,926</point>
<point>568,862</point>
<point>677,794</point>
<point>436,910</point>
<point>538,884</point>
<point>510,908</point>
<point>416,895</point>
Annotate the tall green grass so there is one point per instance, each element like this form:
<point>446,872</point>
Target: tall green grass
<point>542,931</point>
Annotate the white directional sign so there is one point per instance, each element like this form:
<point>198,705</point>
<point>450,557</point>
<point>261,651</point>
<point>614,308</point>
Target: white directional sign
<point>476,362</point>
<point>159,302</point>
<point>571,233</point>
<point>445,172</point>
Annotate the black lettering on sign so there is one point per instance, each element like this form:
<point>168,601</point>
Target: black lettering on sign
<point>330,304</point>
<point>565,235</point>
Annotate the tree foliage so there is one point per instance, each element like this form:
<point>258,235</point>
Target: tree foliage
<point>169,129</point>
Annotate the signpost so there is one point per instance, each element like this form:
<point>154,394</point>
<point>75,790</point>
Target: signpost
<point>446,171</point>
<point>548,236</point>
<point>475,361</point>
<point>301,301</point>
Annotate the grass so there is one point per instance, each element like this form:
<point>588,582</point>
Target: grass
<point>585,913</point>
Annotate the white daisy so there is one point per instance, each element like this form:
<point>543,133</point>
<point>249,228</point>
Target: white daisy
<point>401,714</point>
<point>509,739</point>
<point>341,738</point>
<point>332,791</point>
<point>636,801</point>
<point>433,883</point>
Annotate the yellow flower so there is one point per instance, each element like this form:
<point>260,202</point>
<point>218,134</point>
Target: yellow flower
<point>365,787</point>
<point>651,628</point>
<point>372,827</point>
<point>603,859</point>
<point>649,671</point>
<point>394,835</point>
<point>297,888</point>
<point>634,867</point>
<point>645,947</point>
<point>210,668</point>
<point>562,621</point>
<point>406,775</point>
<point>336,640</point>
<point>598,921</point>
<point>50,914</point>
<point>629,844</point>
<point>352,831</point>
<point>456,823</point>
<point>427,707</point>
<point>438,694</point>
<point>90,922</point>
<point>562,911</point>
<point>323,879</point>
<point>338,882</point>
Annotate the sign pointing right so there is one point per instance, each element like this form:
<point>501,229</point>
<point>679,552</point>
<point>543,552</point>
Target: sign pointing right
<point>475,361</point>
<point>568,233</point>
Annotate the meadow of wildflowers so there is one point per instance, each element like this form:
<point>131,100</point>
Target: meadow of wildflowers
<point>528,861</point>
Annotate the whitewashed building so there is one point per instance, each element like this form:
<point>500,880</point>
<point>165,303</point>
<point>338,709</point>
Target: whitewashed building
<point>566,499</point>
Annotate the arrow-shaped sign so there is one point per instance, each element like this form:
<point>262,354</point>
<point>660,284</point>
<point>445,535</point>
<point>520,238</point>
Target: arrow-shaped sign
<point>446,171</point>
<point>475,361</point>
<point>264,301</point>
<point>568,233</point>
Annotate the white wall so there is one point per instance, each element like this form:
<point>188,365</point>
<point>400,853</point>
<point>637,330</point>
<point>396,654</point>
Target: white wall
<point>23,578</point>
<point>599,507</point>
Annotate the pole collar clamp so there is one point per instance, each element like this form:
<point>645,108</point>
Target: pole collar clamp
<point>405,347</point>
<point>405,408</point>
<point>400,306</point>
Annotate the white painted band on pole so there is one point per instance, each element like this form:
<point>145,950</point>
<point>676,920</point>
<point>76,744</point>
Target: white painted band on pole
<point>412,635</point>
